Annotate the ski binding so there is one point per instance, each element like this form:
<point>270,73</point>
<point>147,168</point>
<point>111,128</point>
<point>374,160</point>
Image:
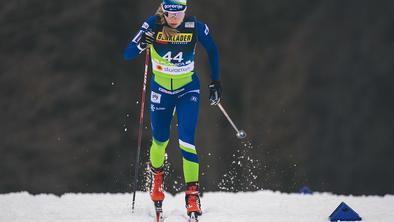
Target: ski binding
<point>193,217</point>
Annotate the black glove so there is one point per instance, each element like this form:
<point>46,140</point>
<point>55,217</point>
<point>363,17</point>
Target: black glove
<point>147,38</point>
<point>215,91</point>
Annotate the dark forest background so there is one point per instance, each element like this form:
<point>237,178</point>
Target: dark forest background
<point>310,81</point>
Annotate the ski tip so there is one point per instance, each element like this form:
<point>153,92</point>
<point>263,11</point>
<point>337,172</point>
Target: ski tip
<point>159,217</point>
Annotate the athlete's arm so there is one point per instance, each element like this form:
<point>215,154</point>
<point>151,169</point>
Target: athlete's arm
<point>207,41</point>
<point>134,47</point>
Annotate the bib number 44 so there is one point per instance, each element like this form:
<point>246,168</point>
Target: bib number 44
<point>178,57</point>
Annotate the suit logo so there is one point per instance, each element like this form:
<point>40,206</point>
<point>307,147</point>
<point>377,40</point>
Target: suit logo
<point>177,38</point>
<point>155,97</point>
<point>194,99</point>
<point>189,24</point>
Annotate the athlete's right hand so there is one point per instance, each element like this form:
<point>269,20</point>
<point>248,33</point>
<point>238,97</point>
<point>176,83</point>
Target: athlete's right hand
<point>147,38</point>
<point>215,91</point>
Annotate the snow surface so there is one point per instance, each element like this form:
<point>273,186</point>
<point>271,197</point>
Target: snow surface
<point>217,206</point>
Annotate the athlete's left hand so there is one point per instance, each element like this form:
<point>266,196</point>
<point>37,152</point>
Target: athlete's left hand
<point>215,91</point>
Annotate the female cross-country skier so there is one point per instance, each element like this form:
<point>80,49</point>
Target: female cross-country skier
<point>171,38</point>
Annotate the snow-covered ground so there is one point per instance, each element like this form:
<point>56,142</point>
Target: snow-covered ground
<point>266,206</point>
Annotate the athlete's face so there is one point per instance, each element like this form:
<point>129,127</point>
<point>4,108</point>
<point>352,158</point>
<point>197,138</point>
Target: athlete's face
<point>174,19</point>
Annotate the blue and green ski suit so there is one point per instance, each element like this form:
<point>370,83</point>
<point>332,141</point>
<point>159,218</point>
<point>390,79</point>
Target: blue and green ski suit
<point>175,86</point>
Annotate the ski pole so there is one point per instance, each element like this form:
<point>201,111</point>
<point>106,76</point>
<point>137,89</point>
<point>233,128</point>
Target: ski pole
<point>240,133</point>
<point>140,127</point>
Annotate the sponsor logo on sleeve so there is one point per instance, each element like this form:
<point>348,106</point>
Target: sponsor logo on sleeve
<point>189,24</point>
<point>145,25</point>
<point>206,30</point>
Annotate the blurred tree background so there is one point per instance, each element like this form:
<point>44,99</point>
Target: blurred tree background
<point>311,82</point>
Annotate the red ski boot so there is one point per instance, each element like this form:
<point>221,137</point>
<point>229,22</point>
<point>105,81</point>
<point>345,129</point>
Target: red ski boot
<point>192,199</point>
<point>156,189</point>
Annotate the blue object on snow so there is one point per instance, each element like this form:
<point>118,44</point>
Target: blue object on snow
<point>344,213</point>
<point>306,190</point>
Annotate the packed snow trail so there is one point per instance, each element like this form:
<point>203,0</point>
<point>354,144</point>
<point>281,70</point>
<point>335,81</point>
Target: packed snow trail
<point>217,207</point>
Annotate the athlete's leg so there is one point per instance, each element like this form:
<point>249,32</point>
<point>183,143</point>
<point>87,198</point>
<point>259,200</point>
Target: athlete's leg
<point>161,111</point>
<point>187,112</point>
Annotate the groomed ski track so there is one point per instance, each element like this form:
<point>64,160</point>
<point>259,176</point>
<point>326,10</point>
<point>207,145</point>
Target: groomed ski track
<point>265,206</point>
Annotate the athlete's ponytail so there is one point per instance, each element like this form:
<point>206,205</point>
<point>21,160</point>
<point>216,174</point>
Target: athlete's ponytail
<point>160,13</point>
<point>167,31</point>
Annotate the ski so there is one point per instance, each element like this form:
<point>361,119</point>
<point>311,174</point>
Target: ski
<point>193,217</point>
<point>158,211</point>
